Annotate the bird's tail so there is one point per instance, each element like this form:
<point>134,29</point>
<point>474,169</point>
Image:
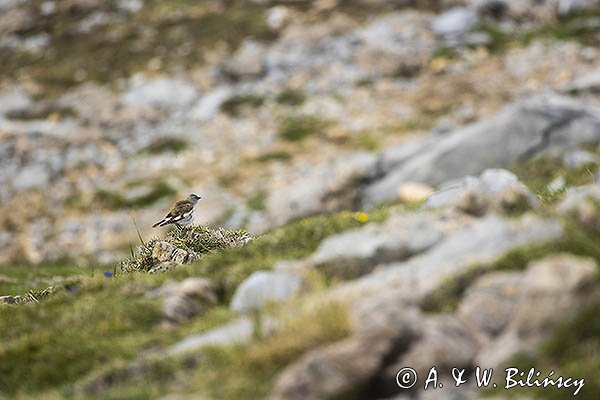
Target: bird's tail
<point>160,223</point>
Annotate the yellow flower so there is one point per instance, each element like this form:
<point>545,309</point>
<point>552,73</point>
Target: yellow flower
<point>362,217</point>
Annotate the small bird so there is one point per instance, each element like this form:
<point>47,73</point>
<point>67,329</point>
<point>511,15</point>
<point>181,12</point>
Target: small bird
<point>181,213</point>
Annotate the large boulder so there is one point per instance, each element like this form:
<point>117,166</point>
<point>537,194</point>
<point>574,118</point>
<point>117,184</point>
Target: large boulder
<point>340,370</point>
<point>264,287</point>
<point>357,252</point>
<point>542,125</point>
<point>550,290</point>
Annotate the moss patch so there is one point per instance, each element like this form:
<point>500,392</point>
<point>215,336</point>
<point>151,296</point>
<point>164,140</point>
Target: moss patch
<point>291,97</point>
<point>235,105</point>
<point>573,350</point>
<point>248,370</point>
<point>537,173</point>
<point>163,35</point>
<point>115,201</point>
<point>277,155</point>
<point>58,340</point>
<point>166,144</point>
<point>295,128</point>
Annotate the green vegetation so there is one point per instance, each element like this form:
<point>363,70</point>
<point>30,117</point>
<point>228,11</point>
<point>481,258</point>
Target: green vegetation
<point>197,239</point>
<point>291,97</point>
<point>258,201</point>
<point>448,296</point>
<point>161,36</point>
<point>235,105</point>
<point>295,128</point>
<point>166,144</point>
<point>60,339</point>
<point>581,27</point>
<point>248,369</point>
<point>46,111</point>
<point>227,269</point>
<point>577,240</point>
<point>572,351</point>
<point>368,141</point>
<point>15,279</point>
<point>277,155</point>
<point>538,172</point>
<point>115,201</point>
<point>87,336</point>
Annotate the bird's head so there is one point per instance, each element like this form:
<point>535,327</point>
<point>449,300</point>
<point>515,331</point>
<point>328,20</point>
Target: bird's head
<point>193,198</point>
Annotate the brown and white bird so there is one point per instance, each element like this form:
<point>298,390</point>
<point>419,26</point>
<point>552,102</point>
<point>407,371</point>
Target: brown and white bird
<point>181,213</point>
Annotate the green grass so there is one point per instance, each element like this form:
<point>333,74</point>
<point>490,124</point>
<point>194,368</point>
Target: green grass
<point>578,27</point>
<point>573,350</point>
<point>171,34</point>
<point>291,97</point>
<point>115,201</point>
<point>537,173</point>
<point>30,277</point>
<point>53,342</point>
<point>227,269</point>
<point>235,105</point>
<point>100,325</point>
<point>277,155</point>
<point>295,128</point>
<point>41,112</point>
<point>234,372</point>
<point>257,202</point>
<point>368,141</point>
<point>577,240</point>
<point>166,144</point>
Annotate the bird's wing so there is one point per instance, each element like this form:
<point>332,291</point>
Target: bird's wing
<point>180,208</point>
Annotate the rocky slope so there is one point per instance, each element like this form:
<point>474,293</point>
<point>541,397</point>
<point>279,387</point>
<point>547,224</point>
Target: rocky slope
<point>419,181</point>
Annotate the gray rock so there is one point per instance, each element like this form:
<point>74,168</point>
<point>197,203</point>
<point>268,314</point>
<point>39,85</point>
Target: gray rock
<point>186,299</point>
<point>445,344</point>
<point>357,252</point>
<point>344,367</point>
<point>330,187</point>
<point>473,241</point>
<point>589,83</point>
<point>454,23</point>
<point>32,176</point>
<point>165,251</point>
<point>247,63</point>
<point>237,331</point>
<point>559,273</point>
<point>161,92</point>
<point>208,106</point>
<point>579,158</point>
<point>490,303</point>
<point>15,99</point>
<point>475,195</point>
<point>401,43</point>
<point>532,10</point>
<point>264,287</point>
<point>538,126</point>
<point>578,195</point>
<point>551,289</point>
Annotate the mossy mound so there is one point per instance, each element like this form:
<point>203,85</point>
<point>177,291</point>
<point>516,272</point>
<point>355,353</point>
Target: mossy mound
<point>199,240</point>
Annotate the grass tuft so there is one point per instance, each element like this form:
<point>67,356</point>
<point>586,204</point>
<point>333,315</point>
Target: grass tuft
<point>291,97</point>
<point>295,128</point>
<point>235,105</point>
<point>166,144</point>
<point>197,239</point>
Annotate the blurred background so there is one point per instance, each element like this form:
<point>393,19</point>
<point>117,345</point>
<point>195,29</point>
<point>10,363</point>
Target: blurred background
<point>110,111</point>
<point>276,111</point>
